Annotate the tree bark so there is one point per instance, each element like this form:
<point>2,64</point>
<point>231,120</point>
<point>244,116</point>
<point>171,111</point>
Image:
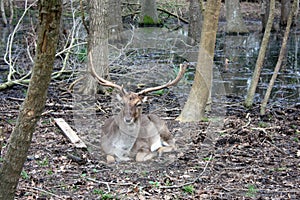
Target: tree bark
<point>261,57</point>
<point>115,20</point>
<point>280,58</point>
<point>285,10</point>
<point>97,44</point>
<point>148,16</point>
<point>234,19</point>
<point>195,21</point>
<point>20,139</point>
<point>194,108</point>
<point>4,5</point>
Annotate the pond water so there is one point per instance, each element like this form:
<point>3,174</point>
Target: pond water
<point>241,52</point>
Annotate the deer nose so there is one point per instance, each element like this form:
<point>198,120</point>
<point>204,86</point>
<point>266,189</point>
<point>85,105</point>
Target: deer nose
<point>128,120</point>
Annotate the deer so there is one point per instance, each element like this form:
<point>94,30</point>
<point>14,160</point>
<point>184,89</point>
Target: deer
<point>130,133</point>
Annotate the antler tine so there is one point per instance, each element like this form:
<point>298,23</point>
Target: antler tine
<point>102,81</point>
<point>170,83</point>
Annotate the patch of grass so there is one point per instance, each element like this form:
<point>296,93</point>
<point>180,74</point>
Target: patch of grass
<point>49,172</point>
<point>252,191</point>
<point>189,189</point>
<point>43,163</point>
<point>82,55</point>
<point>279,169</point>
<point>155,183</point>
<point>262,124</point>
<point>148,20</point>
<point>205,119</point>
<point>107,196</point>
<point>144,173</point>
<point>207,159</point>
<point>98,191</point>
<point>24,175</point>
<point>46,122</point>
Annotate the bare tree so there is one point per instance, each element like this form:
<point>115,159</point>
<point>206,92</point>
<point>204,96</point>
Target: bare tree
<point>20,139</point>
<point>234,19</point>
<point>97,43</point>
<point>195,106</point>
<point>3,5</point>
<point>115,20</point>
<point>149,16</point>
<point>261,57</point>
<point>195,20</point>
<point>280,58</point>
<point>285,10</point>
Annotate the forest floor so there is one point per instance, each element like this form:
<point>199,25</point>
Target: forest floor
<point>251,157</point>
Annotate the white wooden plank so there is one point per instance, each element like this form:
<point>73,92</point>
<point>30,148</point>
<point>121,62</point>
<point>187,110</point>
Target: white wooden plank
<point>69,133</point>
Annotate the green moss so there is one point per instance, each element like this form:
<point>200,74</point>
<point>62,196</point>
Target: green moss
<point>148,20</point>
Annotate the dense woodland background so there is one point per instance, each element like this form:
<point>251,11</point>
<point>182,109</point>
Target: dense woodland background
<point>235,114</point>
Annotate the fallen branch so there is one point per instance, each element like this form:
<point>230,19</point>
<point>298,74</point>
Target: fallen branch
<point>108,183</point>
<point>174,15</point>
<point>45,191</point>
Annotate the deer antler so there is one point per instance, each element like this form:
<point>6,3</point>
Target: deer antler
<point>170,83</point>
<point>101,80</point>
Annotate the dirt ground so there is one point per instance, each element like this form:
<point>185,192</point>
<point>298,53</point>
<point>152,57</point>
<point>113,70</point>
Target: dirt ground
<point>250,157</point>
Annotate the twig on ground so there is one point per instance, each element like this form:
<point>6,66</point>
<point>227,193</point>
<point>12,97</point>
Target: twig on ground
<point>45,191</point>
<point>191,182</point>
<point>108,183</point>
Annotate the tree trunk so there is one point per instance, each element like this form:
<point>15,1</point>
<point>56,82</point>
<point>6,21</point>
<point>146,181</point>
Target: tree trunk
<point>115,20</point>
<point>194,108</point>
<point>148,16</point>
<point>234,20</point>
<point>7,9</point>
<point>261,57</point>
<point>195,20</point>
<point>97,44</point>
<point>20,139</point>
<point>280,58</point>
<point>285,10</point>
<point>265,10</point>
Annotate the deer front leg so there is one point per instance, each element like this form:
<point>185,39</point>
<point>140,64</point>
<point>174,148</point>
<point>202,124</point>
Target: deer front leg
<point>142,151</point>
<point>144,156</point>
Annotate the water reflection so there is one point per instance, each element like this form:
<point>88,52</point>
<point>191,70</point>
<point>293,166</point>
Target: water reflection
<point>236,57</point>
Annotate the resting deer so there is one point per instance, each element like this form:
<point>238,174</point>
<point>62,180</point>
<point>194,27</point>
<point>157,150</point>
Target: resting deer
<point>131,133</point>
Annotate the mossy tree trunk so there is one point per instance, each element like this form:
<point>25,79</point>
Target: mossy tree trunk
<point>261,57</point>
<point>149,16</point>
<point>194,108</point>
<point>280,58</point>
<point>234,19</point>
<point>20,139</point>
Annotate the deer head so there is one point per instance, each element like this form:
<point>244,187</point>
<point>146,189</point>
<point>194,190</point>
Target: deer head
<point>132,101</point>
